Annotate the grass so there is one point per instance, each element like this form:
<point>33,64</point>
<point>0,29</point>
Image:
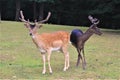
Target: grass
<point>20,59</point>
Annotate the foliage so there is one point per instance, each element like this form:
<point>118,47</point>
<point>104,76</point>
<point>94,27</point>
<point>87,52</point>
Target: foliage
<point>67,12</point>
<point>40,1</point>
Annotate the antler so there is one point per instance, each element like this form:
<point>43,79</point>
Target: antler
<point>93,20</point>
<point>49,14</point>
<point>97,22</point>
<point>22,17</point>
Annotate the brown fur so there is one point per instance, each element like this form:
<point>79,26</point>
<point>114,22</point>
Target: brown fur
<point>47,40</point>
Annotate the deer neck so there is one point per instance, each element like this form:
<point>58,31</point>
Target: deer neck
<point>87,35</point>
<point>36,38</point>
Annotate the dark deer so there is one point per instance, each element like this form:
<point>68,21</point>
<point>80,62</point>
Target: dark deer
<point>78,39</point>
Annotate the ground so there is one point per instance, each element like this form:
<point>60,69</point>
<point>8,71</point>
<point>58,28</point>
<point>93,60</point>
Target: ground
<point>20,59</point>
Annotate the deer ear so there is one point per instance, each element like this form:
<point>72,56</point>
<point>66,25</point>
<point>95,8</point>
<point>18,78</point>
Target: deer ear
<point>40,25</point>
<point>90,17</point>
<point>26,25</point>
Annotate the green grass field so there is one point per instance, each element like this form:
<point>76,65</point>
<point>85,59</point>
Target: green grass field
<point>20,59</point>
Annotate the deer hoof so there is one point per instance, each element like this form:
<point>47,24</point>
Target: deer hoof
<point>64,69</point>
<point>84,68</point>
<point>43,72</point>
<point>67,67</point>
<point>51,73</point>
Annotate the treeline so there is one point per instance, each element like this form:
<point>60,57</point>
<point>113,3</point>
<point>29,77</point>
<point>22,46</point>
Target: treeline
<point>66,12</point>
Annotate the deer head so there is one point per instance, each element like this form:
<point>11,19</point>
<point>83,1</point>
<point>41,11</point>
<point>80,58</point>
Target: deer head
<point>94,27</point>
<point>32,27</point>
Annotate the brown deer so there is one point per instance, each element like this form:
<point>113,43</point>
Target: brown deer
<point>48,42</point>
<point>78,39</point>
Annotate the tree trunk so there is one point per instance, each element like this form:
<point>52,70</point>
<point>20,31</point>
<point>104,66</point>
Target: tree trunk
<point>41,11</point>
<point>34,10</point>
<point>17,10</point>
<point>59,18</point>
<point>0,14</point>
<point>0,11</point>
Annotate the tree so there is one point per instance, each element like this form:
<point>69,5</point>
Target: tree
<point>68,12</point>
<point>109,12</point>
<point>17,9</point>
<point>0,10</point>
<point>41,11</point>
<point>34,10</point>
<point>41,7</point>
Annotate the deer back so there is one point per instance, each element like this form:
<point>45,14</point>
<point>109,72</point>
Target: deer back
<point>52,40</point>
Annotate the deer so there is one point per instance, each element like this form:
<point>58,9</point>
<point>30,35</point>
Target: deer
<point>48,42</point>
<point>78,39</point>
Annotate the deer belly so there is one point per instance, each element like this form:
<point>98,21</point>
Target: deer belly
<point>56,45</point>
<point>52,49</point>
<point>42,50</point>
<point>55,49</point>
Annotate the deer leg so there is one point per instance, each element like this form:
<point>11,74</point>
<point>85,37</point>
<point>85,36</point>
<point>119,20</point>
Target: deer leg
<point>68,62</point>
<point>65,67</point>
<point>79,56</point>
<point>44,62</point>
<point>65,57</point>
<point>84,58</point>
<point>48,58</point>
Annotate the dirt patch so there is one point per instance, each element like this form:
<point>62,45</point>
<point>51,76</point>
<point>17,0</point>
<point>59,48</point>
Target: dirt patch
<point>6,57</point>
